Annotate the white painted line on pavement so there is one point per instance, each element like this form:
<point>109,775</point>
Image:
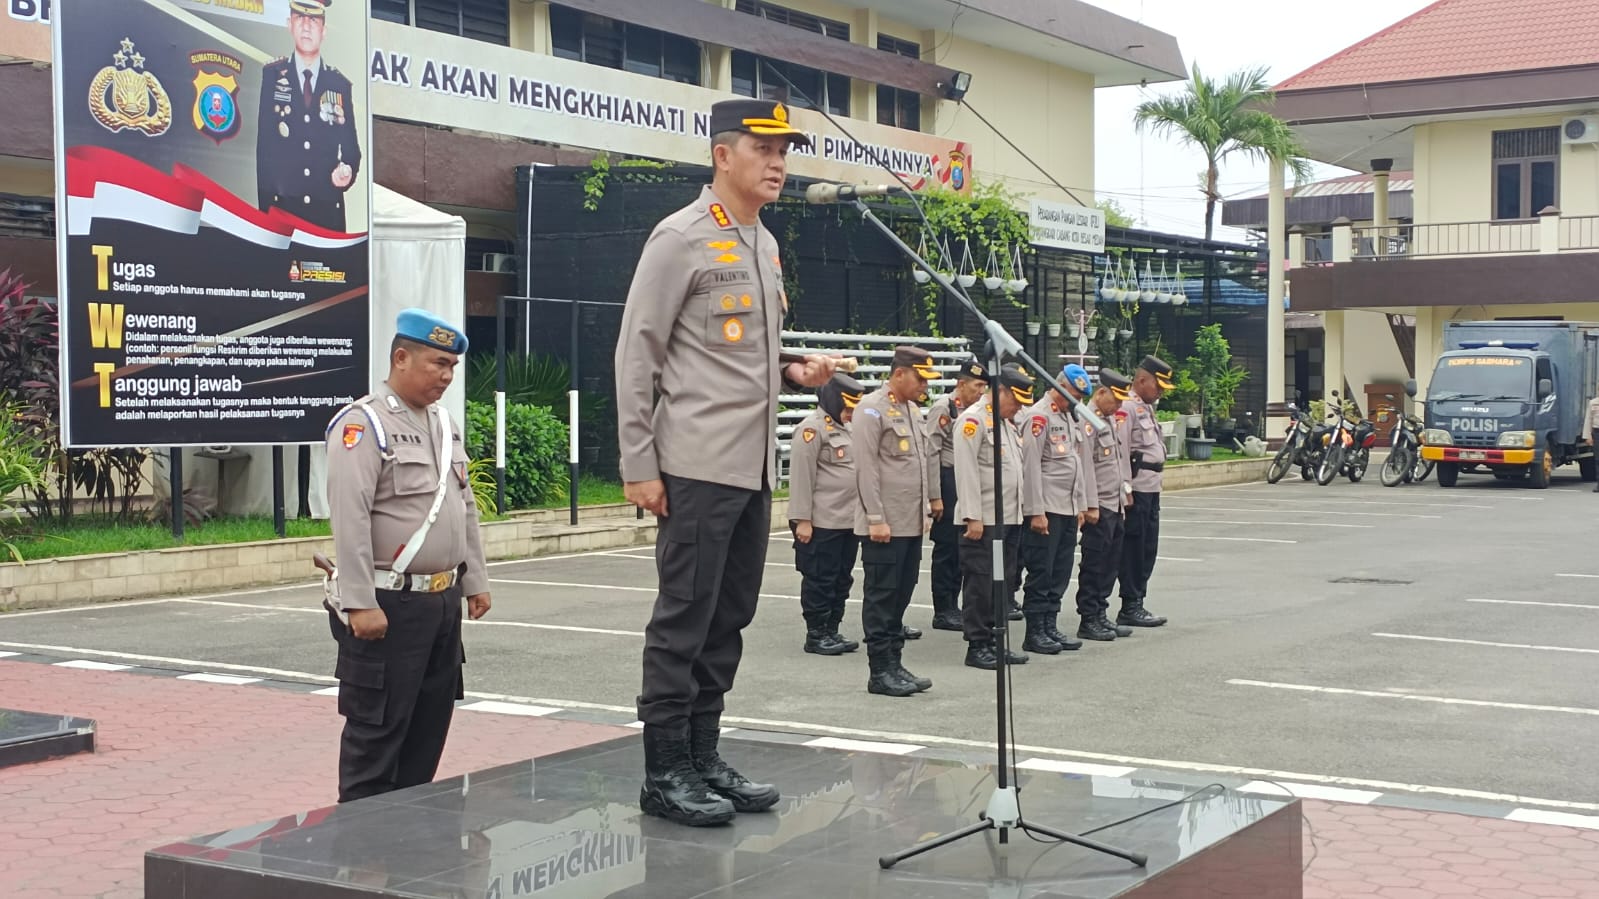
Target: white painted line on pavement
<point>1062,766</point>
<point>1562,819</point>
<point>7,655</point>
<point>1286,524</point>
<point>1299,501</point>
<point>1311,791</point>
<point>231,679</point>
<point>7,616</point>
<point>1489,643</point>
<point>1528,602</point>
<point>527,624</point>
<point>1576,575</point>
<point>1417,697</point>
<point>169,662</point>
<point>1228,539</point>
<point>863,746</point>
<point>92,666</point>
<point>508,708</point>
<point>326,691</point>
<point>1305,512</point>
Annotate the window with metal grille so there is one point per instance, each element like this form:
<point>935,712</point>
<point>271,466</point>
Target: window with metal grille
<point>392,11</point>
<point>812,88</point>
<point>480,20</point>
<point>618,45</point>
<point>794,18</point>
<point>900,108</point>
<point>1526,172</point>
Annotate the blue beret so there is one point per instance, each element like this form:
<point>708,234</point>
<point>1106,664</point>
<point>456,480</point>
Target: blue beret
<point>1077,376</point>
<point>428,329</point>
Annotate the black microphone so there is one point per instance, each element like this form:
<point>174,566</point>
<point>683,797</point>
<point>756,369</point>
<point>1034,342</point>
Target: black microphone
<point>821,194</point>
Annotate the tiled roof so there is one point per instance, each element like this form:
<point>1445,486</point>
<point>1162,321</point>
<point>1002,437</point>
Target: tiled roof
<point>1454,38</point>
<point>1348,184</point>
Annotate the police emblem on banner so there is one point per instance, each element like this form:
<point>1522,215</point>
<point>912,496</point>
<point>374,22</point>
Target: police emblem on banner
<point>216,94</point>
<point>125,96</point>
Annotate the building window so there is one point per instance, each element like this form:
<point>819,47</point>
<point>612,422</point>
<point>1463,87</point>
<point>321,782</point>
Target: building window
<point>1526,174</point>
<point>392,11</point>
<point>618,45</point>
<point>896,107</point>
<point>753,78</point>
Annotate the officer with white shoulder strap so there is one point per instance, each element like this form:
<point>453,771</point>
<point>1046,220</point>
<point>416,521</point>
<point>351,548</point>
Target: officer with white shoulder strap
<point>405,532</point>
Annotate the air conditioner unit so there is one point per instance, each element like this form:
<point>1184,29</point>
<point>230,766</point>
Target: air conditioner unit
<point>1580,130</point>
<point>499,263</point>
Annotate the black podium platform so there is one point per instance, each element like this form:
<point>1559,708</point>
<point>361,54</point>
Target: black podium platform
<point>35,736</point>
<point>568,826</point>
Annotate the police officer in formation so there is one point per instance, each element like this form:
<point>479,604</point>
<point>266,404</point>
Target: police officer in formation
<point>1147,457</point>
<point>1103,524</point>
<point>821,509</point>
<point>697,384</point>
<point>1590,429</point>
<point>894,509</point>
<point>970,382</point>
<point>394,460</point>
<point>307,151</point>
<point>1056,483</point>
<point>976,509</point>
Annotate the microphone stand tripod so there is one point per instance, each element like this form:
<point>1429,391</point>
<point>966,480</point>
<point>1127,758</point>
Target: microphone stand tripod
<point>1004,808</point>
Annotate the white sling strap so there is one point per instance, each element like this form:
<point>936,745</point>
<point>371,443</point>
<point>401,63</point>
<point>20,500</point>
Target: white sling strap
<point>411,547</point>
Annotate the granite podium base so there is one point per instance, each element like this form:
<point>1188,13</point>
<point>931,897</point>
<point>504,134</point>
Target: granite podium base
<point>35,736</point>
<point>568,825</point>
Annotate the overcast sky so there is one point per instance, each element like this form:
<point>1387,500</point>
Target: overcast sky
<point>1156,178</point>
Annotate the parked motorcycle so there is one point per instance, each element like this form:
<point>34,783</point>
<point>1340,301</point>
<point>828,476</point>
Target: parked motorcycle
<point>1348,447</point>
<point>1296,448</point>
<point>1405,464</point>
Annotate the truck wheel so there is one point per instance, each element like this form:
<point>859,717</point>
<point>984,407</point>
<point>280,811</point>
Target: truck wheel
<point>1448,474</point>
<point>1586,466</point>
<point>1538,472</point>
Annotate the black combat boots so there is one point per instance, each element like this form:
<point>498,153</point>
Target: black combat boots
<point>922,684</point>
<point>1093,627</point>
<point>1121,630</point>
<point>1133,614</point>
<point>722,778</point>
<point>1038,637</point>
<point>824,642</point>
<point>1055,633</point>
<point>673,789</point>
<point>946,614</point>
<point>848,644</point>
<point>885,679</point>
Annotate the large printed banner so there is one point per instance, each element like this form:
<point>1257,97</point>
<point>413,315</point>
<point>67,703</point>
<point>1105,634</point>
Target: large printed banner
<point>213,239</point>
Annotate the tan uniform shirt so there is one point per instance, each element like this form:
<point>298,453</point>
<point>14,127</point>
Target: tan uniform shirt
<point>701,328</point>
<point>821,473</point>
<point>974,467</point>
<point>1144,436</point>
<point>1052,462</point>
<point>1591,420</point>
<point>1112,472</point>
<point>376,503</point>
<point>890,465</point>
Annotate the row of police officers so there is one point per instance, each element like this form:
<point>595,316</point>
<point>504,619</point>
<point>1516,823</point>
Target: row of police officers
<point>871,474</point>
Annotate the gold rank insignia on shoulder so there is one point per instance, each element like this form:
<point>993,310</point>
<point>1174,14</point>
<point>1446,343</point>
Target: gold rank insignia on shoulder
<point>719,215</point>
<point>969,428</point>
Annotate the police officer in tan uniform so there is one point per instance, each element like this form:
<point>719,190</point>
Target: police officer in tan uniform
<point>405,533</point>
<point>974,483</point>
<point>821,512</point>
<point>891,465</point>
<point>1146,452</point>
<point>970,382</point>
<point>1590,428</point>
<point>1103,525</point>
<point>1055,499</point>
<point>697,382</point>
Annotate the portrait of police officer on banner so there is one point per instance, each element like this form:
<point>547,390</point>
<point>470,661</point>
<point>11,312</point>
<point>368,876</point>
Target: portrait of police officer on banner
<point>306,149</point>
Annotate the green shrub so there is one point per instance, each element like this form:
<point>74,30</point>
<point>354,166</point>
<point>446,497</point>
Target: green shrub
<point>535,451</point>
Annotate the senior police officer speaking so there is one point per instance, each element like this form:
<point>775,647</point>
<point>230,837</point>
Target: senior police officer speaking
<point>697,382</point>
<point>405,530</point>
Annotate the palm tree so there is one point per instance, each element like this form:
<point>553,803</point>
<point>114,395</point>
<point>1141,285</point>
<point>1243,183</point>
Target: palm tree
<point>1223,119</point>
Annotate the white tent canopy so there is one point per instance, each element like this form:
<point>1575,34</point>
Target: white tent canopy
<point>418,259</point>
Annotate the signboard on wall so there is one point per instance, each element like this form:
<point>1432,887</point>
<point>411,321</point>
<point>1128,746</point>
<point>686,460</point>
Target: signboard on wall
<point>424,76</point>
<point>212,235</point>
<point>25,30</point>
<point>1067,227</point>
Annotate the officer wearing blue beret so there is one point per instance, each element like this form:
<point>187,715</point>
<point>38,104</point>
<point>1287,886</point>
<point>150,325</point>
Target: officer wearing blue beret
<point>405,532</point>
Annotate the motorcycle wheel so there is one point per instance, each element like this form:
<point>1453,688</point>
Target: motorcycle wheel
<point>1283,461</point>
<point>1331,464</point>
<point>1396,468</point>
<point>1359,461</point>
<point>1421,469</point>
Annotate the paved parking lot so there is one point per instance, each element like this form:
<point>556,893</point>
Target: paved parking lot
<point>1437,644</point>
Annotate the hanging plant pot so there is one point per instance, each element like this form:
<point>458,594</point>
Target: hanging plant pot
<point>1091,331</point>
<point>993,283</point>
<point>920,276</point>
<point>1125,334</point>
<point>1178,299</point>
<point>966,280</point>
<point>967,276</point>
<point>1016,285</point>
<point>1054,329</point>
<point>1033,328</point>
<point>1071,329</point>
